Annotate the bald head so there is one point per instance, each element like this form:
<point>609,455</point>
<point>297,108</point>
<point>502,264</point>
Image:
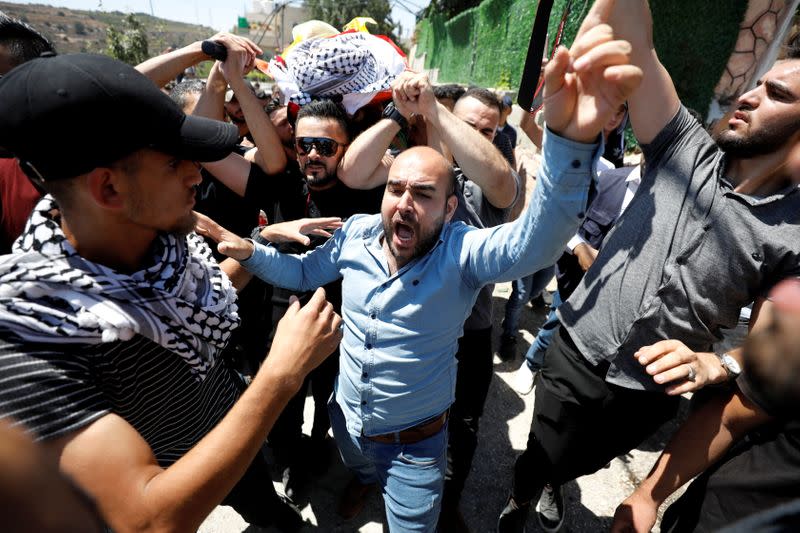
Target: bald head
<point>418,201</point>
<point>425,161</point>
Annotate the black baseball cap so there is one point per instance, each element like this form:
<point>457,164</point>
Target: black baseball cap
<point>63,116</point>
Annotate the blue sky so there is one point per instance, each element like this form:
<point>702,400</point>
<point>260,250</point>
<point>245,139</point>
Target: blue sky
<point>219,14</point>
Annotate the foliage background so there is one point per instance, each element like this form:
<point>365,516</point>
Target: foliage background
<point>486,45</point>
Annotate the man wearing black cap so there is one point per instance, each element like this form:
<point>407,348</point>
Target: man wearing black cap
<point>113,314</point>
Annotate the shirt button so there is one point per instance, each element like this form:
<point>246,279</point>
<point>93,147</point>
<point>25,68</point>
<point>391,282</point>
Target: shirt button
<point>581,214</point>
<point>681,260</point>
<point>369,346</point>
<point>372,316</point>
<point>363,402</point>
<point>365,375</point>
<point>576,164</point>
<point>756,256</point>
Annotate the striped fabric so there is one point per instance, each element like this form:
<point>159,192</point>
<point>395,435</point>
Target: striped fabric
<point>54,389</point>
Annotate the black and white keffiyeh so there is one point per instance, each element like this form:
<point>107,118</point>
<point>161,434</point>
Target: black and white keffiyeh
<point>183,301</point>
<point>353,65</point>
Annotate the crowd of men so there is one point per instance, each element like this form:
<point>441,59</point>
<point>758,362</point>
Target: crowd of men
<point>156,331</point>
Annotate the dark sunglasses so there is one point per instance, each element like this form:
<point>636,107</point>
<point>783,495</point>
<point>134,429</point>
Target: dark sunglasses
<point>323,145</point>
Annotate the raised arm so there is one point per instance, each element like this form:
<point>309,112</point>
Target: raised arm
<point>270,155</point>
<point>701,441</point>
<point>211,103</point>
<point>115,465</point>
<point>365,164</point>
<point>654,104</point>
<point>165,67</point>
<point>577,105</point>
<point>478,158</point>
<point>529,126</point>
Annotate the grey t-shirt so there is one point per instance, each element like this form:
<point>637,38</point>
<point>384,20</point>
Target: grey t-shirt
<point>683,259</point>
<point>474,209</point>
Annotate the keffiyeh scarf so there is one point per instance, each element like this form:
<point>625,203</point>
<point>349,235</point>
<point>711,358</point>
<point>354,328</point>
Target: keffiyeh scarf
<point>183,301</point>
<point>353,65</point>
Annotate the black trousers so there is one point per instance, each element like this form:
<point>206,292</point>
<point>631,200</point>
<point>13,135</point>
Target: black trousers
<point>472,386</point>
<point>286,435</point>
<point>580,422</point>
<point>254,496</point>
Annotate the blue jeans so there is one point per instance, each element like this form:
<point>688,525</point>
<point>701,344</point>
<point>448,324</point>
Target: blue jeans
<point>535,355</point>
<point>411,476</point>
<point>524,290</point>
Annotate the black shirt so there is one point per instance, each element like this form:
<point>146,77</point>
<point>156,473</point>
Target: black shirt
<point>758,473</point>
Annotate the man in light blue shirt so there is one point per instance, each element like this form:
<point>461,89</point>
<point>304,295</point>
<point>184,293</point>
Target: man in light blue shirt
<point>409,280</point>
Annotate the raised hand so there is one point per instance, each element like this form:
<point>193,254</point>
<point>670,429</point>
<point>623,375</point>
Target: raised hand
<point>412,93</point>
<point>586,85</point>
<point>228,243</point>
<point>298,230</point>
<point>242,53</point>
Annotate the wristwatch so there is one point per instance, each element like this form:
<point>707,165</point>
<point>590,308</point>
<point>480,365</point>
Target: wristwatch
<point>730,364</point>
<point>256,236</point>
<point>391,112</point>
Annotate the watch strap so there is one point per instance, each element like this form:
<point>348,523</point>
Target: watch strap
<point>391,112</point>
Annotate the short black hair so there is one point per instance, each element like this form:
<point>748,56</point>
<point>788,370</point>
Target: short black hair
<point>448,91</point>
<point>484,96</point>
<point>22,42</point>
<point>181,92</point>
<point>325,109</point>
<point>273,105</point>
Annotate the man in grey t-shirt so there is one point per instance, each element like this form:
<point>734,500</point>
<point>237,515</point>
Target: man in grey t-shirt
<point>714,225</point>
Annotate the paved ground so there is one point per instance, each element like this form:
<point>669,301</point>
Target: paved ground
<point>591,500</point>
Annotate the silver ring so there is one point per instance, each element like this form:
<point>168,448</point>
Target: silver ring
<point>692,374</point>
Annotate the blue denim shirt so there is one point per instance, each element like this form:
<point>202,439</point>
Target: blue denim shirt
<point>397,365</point>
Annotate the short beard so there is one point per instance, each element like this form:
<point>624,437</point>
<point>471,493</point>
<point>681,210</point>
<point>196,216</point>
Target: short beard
<point>185,225</point>
<point>756,144</point>
<point>425,244</point>
<point>319,181</point>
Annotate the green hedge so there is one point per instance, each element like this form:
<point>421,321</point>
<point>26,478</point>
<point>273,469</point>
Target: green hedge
<point>486,45</point>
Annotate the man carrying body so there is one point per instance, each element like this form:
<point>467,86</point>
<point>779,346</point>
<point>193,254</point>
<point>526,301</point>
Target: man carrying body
<point>113,315</point>
<point>397,370</point>
<point>711,228</point>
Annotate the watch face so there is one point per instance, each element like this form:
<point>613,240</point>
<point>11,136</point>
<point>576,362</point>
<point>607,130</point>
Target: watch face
<point>731,364</point>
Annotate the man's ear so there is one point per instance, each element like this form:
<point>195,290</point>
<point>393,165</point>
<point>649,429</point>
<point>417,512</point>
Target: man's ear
<point>452,203</point>
<point>104,187</point>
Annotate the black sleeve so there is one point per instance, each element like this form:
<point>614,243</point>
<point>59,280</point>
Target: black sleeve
<point>768,398</point>
<point>48,389</point>
<point>260,190</point>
